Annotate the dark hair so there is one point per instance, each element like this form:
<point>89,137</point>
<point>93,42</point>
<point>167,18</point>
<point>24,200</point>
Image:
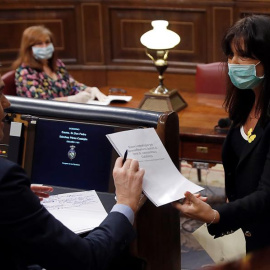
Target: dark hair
<point>30,37</point>
<point>253,33</point>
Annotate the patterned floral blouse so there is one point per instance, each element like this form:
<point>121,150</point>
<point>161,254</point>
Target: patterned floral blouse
<point>36,84</point>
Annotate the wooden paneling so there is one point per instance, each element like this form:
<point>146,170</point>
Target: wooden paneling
<point>59,19</point>
<point>246,8</point>
<point>90,77</point>
<point>127,26</point>
<point>222,20</point>
<point>92,38</point>
<point>149,80</point>
<point>104,35</point>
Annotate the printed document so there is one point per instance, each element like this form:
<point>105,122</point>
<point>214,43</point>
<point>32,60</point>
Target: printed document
<point>162,182</point>
<point>79,211</point>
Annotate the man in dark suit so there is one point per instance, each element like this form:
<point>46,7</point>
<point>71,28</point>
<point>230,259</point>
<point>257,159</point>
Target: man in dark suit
<point>29,234</point>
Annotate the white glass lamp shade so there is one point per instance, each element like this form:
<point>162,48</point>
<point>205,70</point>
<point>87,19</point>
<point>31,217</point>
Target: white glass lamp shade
<point>160,38</point>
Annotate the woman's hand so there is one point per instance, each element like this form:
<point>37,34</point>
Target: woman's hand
<point>41,191</point>
<point>95,93</point>
<point>90,93</point>
<point>195,207</point>
<point>81,97</point>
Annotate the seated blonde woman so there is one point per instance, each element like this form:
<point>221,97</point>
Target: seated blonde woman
<point>39,74</point>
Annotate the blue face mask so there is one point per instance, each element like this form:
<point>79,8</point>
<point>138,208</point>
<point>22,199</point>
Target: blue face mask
<point>244,76</point>
<point>41,53</point>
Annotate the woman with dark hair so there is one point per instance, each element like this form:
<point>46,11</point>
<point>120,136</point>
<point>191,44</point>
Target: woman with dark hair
<point>246,150</point>
<point>39,74</point>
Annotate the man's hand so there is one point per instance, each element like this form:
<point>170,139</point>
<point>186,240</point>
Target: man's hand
<point>41,191</point>
<point>128,179</point>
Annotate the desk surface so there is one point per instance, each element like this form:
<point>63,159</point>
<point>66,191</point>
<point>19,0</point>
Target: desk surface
<point>196,123</point>
<point>199,117</point>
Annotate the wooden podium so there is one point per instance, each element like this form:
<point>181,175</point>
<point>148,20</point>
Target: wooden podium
<point>158,228</point>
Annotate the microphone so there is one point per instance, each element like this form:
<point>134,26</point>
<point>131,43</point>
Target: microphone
<point>223,125</point>
<point>224,122</point>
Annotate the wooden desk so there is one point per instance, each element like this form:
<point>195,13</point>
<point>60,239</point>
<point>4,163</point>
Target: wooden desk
<point>198,138</point>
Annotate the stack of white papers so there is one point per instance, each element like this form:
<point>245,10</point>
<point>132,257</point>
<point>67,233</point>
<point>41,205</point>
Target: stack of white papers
<point>162,182</point>
<point>79,211</point>
<point>109,99</point>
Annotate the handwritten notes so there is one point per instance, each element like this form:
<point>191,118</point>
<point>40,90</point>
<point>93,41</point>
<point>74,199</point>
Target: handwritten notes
<point>162,182</point>
<point>79,211</point>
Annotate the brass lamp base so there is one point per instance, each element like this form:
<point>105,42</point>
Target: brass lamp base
<point>172,101</point>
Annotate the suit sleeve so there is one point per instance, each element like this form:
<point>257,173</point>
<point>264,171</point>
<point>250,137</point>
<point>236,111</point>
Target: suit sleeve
<point>36,237</point>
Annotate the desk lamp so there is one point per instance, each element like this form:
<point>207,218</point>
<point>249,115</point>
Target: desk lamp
<point>158,42</point>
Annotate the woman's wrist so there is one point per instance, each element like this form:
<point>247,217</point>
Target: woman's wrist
<point>61,98</point>
<point>215,217</point>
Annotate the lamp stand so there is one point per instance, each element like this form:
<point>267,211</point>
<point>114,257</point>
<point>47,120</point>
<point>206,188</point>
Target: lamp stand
<point>160,98</point>
<point>172,101</point>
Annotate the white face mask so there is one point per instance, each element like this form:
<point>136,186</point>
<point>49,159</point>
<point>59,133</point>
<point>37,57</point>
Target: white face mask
<point>41,53</point>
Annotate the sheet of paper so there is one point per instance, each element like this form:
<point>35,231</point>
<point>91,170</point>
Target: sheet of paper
<point>109,99</point>
<point>223,249</point>
<point>162,183</point>
<point>79,211</point>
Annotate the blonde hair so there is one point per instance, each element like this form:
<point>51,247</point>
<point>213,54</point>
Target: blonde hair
<point>31,36</point>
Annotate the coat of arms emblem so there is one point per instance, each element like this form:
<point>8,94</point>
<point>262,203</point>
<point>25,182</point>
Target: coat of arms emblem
<point>72,152</point>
